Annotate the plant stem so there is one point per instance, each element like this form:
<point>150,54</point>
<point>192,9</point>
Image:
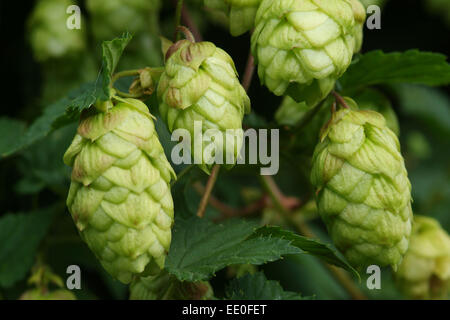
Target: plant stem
<point>340,100</point>
<point>127,95</point>
<point>209,186</point>
<point>189,22</point>
<point>126,73</point>
<point>249,70</point>
<point>179,9</point>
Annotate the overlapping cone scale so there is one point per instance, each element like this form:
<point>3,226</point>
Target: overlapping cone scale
<point>303,46</point>
<point>363,191</point>
<point>119,195</point>
<point>200,85</point>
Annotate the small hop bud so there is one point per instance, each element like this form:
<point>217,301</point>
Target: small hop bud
<point>425,270</point>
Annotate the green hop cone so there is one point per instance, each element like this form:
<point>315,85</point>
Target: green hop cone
<point>241,13</point>
<point>166,287</point>
<point>363,191</point>
<point>303,46</point>
<point>425,270</point>
<point>120,196</point>
<point>199,87</point>
<point>49,35</point>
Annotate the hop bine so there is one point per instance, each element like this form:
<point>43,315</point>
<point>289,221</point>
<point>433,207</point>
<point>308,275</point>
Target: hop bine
<point>363,191</point>
<point>303,47</point>
<point>200,85</point>
<point>119,195</point>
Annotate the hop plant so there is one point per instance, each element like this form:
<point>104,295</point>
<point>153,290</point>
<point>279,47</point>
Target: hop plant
<point>241,13</point>
<point>200,85</point>
<point>166,287</point>
<point>49,35</point>
<point>425,270</point>
<point>303,47</point>
<point>119,195</point>
<point>363,192</point>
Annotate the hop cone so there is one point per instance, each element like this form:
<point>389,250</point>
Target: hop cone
<point>200,84</point>
<point>49,35</point>
<point>241,13</point>
<point>363,192</point>
<point>120,197</point>
<point>165,287</point>
<point>303,46</point>
<point>425,270</point>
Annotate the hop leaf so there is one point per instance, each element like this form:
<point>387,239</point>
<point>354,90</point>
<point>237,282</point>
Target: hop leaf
<point>425,270</point>
<point>303,47</point>
<point>200,84</point>
<point>363,191</point>
<point>120,197</point>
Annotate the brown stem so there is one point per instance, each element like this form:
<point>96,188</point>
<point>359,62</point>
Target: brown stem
<point>187,33</point>
<point>340,100</point>
<point>209,187</point>
<point>249,70</point>
<point>189,22</point>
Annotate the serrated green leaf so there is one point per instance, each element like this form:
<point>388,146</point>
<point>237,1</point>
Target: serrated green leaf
<point>310,246</point>
<point>257,287</point>
<point>112,51</point>
<point>200,248</point>
<point>20,235</point>
<point>412,66</point>
<point>99,89</point>
<point>10,132</point>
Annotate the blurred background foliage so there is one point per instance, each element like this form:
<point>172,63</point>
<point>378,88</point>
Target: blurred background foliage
<point>37,71</point>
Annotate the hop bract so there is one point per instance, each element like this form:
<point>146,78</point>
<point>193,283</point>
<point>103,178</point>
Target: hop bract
<point>363,191</point>
<point>425,270</point>
<point>200,87</point>
<point>119,196</point>
<point>241,13</point>
<point>303,46</point>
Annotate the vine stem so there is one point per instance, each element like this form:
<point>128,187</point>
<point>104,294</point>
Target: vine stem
<point>178,10</point>
<point>189,22</point>
<point>340,100</point>
<point>249,71</point>
<point>126,73</point>
<point>209,187</point>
